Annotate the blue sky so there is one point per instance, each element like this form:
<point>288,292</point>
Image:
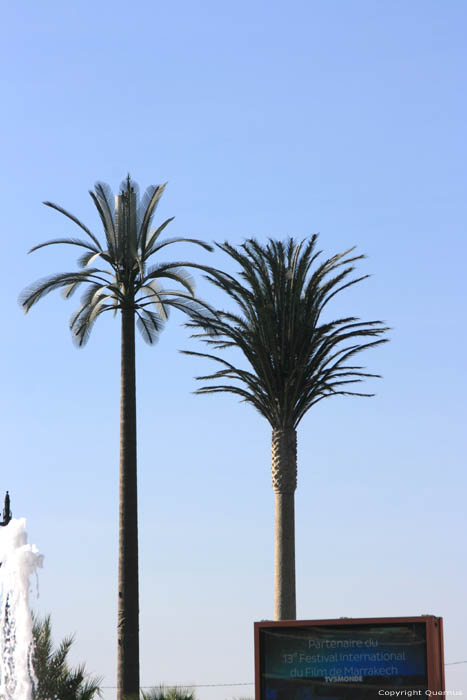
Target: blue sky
<point>266,119</point>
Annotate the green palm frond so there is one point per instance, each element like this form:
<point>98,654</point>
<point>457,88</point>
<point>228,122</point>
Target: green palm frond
<point>152,195</point>
<point>156,248</point>
<point>83,322</point>
<point>172,271</point>
<point>75,220</point>
<point>108,225</point>
<point>188,304</point>
<point>149,325</point>
<point>44,286</point>
<point>144,203</point>
<point>164,693</point>
<point>124,279</point>
<point>68,241</point>
<point>55,680</point>
<point>152,294</point>
<point>295,359</point>
<point>105,194</point>
<point>87,258</point>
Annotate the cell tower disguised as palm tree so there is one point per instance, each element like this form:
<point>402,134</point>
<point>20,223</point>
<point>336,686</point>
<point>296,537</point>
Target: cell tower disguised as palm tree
<point>296,359</point>
<point>125,283</point>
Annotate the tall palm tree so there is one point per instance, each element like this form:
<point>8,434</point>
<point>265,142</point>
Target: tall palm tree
<point>295,359</point>
<point>124,282</point>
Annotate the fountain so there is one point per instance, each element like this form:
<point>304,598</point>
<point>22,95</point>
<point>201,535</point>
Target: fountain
<point>18,560</point>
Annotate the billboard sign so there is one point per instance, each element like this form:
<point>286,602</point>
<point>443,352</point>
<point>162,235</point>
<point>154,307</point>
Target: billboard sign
<point>347,659</point>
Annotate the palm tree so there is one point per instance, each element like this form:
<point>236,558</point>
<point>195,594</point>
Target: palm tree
<point>55,680</point>
<point>126,283</point>
<point>173,693</point>
<point>295,359</point>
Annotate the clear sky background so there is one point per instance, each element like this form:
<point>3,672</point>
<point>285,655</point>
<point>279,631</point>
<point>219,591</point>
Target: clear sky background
<point>267,119</point>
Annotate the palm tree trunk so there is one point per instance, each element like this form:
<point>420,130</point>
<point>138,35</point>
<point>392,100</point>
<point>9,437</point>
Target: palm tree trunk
<point>284,483</point>
<point>128,603</point>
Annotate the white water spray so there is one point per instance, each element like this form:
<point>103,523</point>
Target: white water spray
<point>19,560</point>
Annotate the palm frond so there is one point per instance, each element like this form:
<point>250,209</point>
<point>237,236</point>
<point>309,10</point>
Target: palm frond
<point>90,257</point>
<point>172,271</point>
<point>123,281</point>
<point>144,203</point>
<point>76,221</point>
<point>107,224</point>
<point>280,291</point>
<point>152,294</point>
<point>189,304</point>
<point>104,192</point>
<point>151,248</point>
<point>149,325</point>
<point>67,241</point>
<point>155,235</point>
<point>44,286</point>
<point>164,693</point>
<point>55,679</point>
<point>69,290</point>
<point>83,322</point>
<point>152,195</point>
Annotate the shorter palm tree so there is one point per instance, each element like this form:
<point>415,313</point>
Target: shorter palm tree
<point>55,679</point>
<point>172,693</point>
<point>295,358</point>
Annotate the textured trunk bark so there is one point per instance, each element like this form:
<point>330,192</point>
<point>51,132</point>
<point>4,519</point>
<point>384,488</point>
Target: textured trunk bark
<point>128,602</point>
<point>284,483</point>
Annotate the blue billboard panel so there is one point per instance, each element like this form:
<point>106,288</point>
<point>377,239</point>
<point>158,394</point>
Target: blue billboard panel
<point>341,662</point>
